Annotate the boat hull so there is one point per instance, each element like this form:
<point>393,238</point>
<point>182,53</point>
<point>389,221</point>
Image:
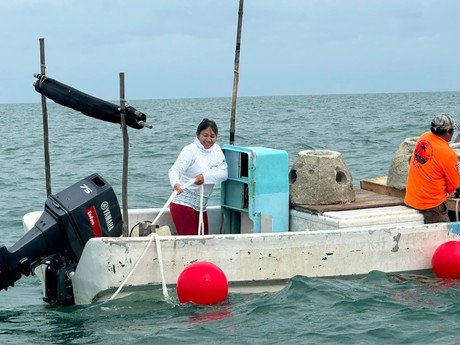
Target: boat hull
<point>253,262</point>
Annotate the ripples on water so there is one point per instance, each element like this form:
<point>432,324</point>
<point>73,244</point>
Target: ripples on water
<point>366,129</point>
<point>377,309</point>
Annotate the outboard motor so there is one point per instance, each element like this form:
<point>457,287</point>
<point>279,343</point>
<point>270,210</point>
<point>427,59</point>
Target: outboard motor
<point>71,217</point>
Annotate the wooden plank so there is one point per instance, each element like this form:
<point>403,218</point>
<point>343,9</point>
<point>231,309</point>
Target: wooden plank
<point>379,185</point>
<point>363,199</point>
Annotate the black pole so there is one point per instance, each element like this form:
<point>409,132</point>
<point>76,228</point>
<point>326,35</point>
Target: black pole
<point>124,182</point>
<point>236,73</point>
<point>45,121</point>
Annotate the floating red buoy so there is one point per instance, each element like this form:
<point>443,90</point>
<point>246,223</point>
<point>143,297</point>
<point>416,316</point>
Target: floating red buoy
<point>202,283</point>
<point>446,260</point>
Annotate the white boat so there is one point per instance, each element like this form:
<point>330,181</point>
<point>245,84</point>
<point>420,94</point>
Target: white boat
<point>348,243</point>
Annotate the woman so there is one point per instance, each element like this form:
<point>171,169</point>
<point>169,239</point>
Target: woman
<point>204,161</point>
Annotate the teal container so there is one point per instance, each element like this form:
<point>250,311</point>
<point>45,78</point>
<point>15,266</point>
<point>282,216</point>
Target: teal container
<point>255,197</point>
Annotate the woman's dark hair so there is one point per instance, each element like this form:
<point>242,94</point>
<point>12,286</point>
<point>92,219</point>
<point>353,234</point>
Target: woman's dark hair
<point>205,124</point>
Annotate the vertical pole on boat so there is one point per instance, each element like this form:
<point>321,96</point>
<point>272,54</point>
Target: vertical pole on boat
<point>124,182</point>
<point>236,73</point>
<point>45,121</point>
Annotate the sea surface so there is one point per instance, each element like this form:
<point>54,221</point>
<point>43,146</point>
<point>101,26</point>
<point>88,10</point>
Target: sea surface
<point>367,129</point>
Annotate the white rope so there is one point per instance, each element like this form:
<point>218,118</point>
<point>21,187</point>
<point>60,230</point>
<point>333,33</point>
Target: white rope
<point>200,224</point>
<point>160,262</point>
<point>157,241</point>
<point>456,208</point>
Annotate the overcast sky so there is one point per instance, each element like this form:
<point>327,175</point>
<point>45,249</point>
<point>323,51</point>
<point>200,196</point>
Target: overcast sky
<point>186,48</point>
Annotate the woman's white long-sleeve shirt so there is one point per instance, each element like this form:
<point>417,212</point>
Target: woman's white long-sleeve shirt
<point>193,160</point>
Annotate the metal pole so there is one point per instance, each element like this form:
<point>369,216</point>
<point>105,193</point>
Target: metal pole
<point>124,182</point>
<point>236,73</point>
<point>45,121</point>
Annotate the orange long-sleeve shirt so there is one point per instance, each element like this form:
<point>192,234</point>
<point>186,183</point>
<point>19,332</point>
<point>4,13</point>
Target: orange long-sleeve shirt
<point>433,172</point>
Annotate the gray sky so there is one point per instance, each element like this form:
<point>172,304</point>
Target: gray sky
<point>186,48</point>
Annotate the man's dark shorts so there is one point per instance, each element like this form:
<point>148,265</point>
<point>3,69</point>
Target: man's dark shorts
<point>436,214</point>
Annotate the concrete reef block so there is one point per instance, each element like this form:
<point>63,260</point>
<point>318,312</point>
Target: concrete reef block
<point>399,167</point>
<point>320,177</point>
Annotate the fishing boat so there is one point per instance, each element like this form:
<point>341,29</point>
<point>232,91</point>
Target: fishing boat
<point>348,242</point>
<point>270,226</point>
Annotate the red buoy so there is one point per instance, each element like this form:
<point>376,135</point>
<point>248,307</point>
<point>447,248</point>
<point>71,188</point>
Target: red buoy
<point>446,260</point>
<point>202,283</point>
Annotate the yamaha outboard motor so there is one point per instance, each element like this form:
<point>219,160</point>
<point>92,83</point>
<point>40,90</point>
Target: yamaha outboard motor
<point>85,210</point>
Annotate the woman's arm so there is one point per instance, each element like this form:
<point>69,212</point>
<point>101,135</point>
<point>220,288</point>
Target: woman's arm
<point>181,164</point>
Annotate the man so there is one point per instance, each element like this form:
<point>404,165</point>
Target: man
<point>433,171</point>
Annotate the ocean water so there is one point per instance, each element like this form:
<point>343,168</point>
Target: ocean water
<point>366,129</point>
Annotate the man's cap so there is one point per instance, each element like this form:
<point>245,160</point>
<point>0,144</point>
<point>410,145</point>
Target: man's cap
<point>443,122</point>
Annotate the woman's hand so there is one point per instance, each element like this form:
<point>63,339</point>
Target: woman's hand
<point>199,179</point>
<point>177,188</point>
